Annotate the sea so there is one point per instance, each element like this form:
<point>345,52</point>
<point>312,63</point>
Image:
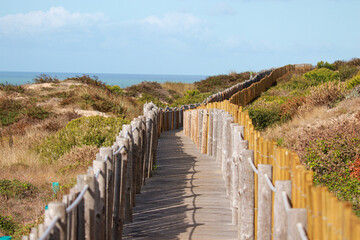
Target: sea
<point>122,80</point>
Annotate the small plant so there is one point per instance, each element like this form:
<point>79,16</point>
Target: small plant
<point>263,117</point>
<point>327,65</point>
<point>16,188</point>
<point>44,78</point>
<point>7,225</point>
<point>37,112</point>
<point>86,79</point>
<point>346,72</point>
<point>11,88</point>
<point>350,84</point>
<point>318,76</point>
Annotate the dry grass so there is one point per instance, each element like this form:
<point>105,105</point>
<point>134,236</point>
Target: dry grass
<point>178,87</point>
<point>318,122</point>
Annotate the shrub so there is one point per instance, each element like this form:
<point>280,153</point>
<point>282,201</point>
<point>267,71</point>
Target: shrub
<point>346,72</point>
<point>7,225</point>
<point>328,93</point>
<point>318,76</point>
<point>86,79</point>
<point>11,88</point>
<point>10,111</point>
<point>91,131</point>
<point>327,65</point>
<point>354,81</point>
<point>220,82</point>
<point>263,117</point>
<point>330,160</point>
<point>115,89</point>
<point>190,97</point>
<point>37,112</point>
<point>44,78</point>
<point>16,188</point>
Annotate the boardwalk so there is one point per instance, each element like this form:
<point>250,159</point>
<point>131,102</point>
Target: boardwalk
<point>185,198</point>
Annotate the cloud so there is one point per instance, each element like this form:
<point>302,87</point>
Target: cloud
<point>42,21</point>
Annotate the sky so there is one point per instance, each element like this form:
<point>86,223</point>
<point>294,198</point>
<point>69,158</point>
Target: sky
<point>189,37</point>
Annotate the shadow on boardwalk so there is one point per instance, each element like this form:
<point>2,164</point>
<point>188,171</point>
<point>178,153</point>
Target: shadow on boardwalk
<point>173,205</point>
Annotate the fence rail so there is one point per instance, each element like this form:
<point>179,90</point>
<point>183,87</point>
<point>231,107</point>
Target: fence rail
<point>272,195</point>
<point>101,202</point>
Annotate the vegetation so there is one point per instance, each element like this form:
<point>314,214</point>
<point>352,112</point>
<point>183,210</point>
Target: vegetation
<point>220,82</point>
<point>90,131</point>
<point>16,188</point>
<point>44,78</point>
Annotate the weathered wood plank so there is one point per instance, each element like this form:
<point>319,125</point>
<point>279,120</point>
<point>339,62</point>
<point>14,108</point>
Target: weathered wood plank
<point>185,198</point>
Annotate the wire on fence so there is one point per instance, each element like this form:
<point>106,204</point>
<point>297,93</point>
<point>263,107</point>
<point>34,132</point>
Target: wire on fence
<point>120,148</point>
<point>271,186</point>
<point>253,166</point>
<point>77,200</point>
<point>302,232</point>
<point>286,201</point>
<point>50,227</point>
<point>97,174</point>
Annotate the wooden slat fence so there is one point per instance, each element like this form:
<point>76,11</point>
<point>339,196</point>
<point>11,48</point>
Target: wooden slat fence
<point>272,195</point>
<point>103,198</point>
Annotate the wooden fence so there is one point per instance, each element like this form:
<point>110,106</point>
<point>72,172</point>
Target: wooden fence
<point>103,198</point>
<point>272,196</point>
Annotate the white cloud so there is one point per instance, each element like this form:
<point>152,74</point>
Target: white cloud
<point>42,21</point>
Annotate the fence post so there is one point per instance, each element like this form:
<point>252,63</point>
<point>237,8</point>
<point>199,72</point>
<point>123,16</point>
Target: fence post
<point>264,203</point>
<point>135,124</point>
<point>57,209</point>
<point>210,133</point>
<point>143,148</point>
<point>107,151</point>
<point>127,133</point>
<point>280,215</point>
<point>126,187</point>
<point>246,213</point>
<point>87,211</point>
<point>100,208</point>
<point>295,216</point>
<point>204,132</point>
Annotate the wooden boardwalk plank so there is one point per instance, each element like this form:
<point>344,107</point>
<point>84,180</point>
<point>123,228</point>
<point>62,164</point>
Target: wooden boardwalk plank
<point>185,198</point>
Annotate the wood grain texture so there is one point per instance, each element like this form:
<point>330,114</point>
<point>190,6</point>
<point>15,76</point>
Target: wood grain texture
<point>185,198</point>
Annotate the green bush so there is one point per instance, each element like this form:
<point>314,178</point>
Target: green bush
<point>11,88</point>
<point>263,117</point>
<point>10,111</point>
<point>318,76</point>
<point>190,97</point>
<point>16,188</point>
<point>346,72</point>
<point>354,81</point>
<point>92,131</point>
<point>330,160</point>
<point>327,65</point>
<point>37,112</point>
<point>115,89</point>
<point>7,225</point>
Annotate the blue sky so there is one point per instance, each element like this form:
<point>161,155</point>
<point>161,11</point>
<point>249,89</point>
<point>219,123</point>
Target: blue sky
<point>174,36</point>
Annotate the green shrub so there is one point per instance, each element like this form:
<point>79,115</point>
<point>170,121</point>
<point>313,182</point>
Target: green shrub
<point>11,88</point>
<point>37,112</point>
<point>86,79</point>
<point>7,225</point>
<point>330,160</point>
<point>115,89</point>
<point>354,81</point>
<point>318,76</point>
<point>346,72</point>
<point>10,111</point>
<point>327,65</point>
<point>16,188</point>
<point>44,78</point>
<point>190,97</point>
<point>92,131</point>
<point>263,117</point>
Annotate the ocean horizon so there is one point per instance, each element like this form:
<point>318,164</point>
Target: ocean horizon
<point>122,80</point>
